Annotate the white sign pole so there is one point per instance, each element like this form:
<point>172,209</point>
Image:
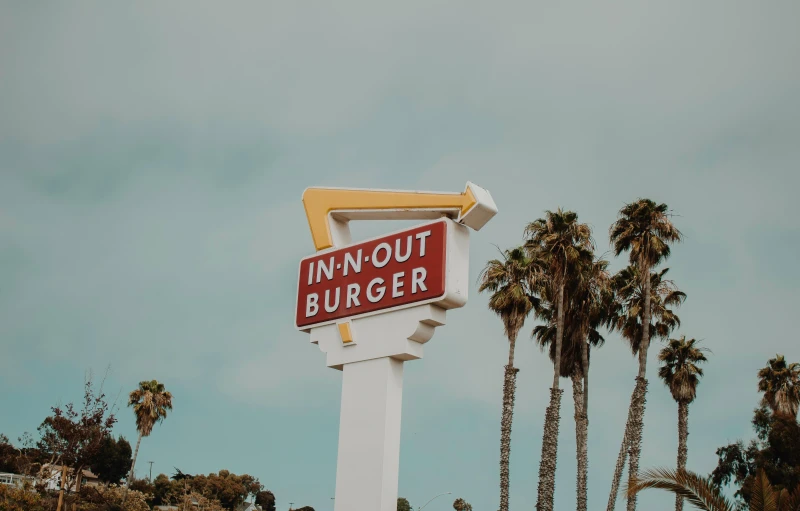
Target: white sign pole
<point>369,435</point>
<point>372,392</point>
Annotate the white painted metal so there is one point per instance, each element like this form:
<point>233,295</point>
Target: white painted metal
<point>398,334</point>
<point>482,212</point>
<point>369,436</point>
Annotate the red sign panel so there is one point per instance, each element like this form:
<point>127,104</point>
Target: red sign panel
<point>398,269</point>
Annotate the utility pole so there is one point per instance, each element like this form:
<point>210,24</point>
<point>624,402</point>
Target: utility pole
<point>150,479</point>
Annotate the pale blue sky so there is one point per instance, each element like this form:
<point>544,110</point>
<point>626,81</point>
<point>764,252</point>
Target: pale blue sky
<point>152,158</point>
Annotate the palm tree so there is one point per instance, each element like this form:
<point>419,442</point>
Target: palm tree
<point>625,313</point>
<point>644,228</point>
<point>560,243</point>
<point>570,360</point>
<point>150,403</point>
<point>584,313</point>
<point>701,492</point>
<point>591,300</point>
<point>509,280</point>
<point>681,374</point>
<point>571,367</point>
<point>780,383</point>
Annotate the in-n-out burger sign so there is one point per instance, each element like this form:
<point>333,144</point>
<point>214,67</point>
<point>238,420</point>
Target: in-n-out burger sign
<point>410,267</point>
<point>373,305</point>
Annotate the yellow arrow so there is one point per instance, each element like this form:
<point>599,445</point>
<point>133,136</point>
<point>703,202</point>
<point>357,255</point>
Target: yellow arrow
<point>319,203</point>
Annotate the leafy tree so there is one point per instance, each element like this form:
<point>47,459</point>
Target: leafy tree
<point>228,488</point>
<point>509,280</point>
<point>561,244</point>
<point>146,487</point>
<point>20,499</point>
<point>26,459</point>
<point>150,404</point>
<point>626,314</point>
<point>8,455</point>
<point>266,499</point>
<point>165,490</point>
<point>775,451</point>
<point>645,230</point>
<point>403,505</point>
<point>72,438</point>
<point>461,505</point>
<point>113,460</point>
<point>194,500</point>
<point>97,498</point>
<point>305,508</point>
<point>681,373</point>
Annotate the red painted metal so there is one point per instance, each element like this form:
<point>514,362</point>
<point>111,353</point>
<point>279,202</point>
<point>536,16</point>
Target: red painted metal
<point>421,277</point>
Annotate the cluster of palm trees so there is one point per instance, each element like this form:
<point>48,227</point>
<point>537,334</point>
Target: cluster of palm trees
<point>556,276</point>
<point>779,382</point>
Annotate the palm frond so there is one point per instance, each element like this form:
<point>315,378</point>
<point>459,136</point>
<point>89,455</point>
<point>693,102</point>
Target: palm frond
<point>696,490</point>
<point>763,497</point>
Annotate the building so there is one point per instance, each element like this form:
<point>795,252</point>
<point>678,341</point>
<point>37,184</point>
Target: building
<point>51,475</point>
<point>13,479</point>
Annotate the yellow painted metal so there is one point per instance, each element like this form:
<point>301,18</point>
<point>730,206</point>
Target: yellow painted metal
<point>319,203</point>
<point>345,333</point>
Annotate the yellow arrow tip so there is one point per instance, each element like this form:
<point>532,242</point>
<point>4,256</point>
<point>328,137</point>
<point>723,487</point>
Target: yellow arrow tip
<point>470,201</point>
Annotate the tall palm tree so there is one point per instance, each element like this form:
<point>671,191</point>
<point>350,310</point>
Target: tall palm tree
<point>681,373</point>
<point>702,493</point>
<point>570,362</point>
<point>644,229</point>
<point>591,300</point>
<point>780,383</point>
<point>625,313</point>
<point>575,342</point>
<point>585,312</point>
<point>150,403</point>
<point>509,280</point>
<point>561,243</point>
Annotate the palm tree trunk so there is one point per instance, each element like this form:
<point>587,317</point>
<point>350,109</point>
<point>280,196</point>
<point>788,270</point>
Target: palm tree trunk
<point>583,457</point>
<point>130,476</point>
<point>559,336</point>
<point>635,436</point>
<point>509,388</point>
<point>623,454</point>
<point>637,426</point>
<point>637,395</point>
<point>645,345</point>
<point>683,434</point>
<point>133,462</point>
<point>577,397</point>
<point>547,465</point>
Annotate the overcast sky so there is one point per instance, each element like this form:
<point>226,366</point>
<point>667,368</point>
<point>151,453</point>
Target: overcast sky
<point>153,156</point>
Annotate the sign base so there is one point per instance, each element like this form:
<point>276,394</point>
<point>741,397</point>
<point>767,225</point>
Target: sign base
<point>369,436</point>
<point>372,393</point>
